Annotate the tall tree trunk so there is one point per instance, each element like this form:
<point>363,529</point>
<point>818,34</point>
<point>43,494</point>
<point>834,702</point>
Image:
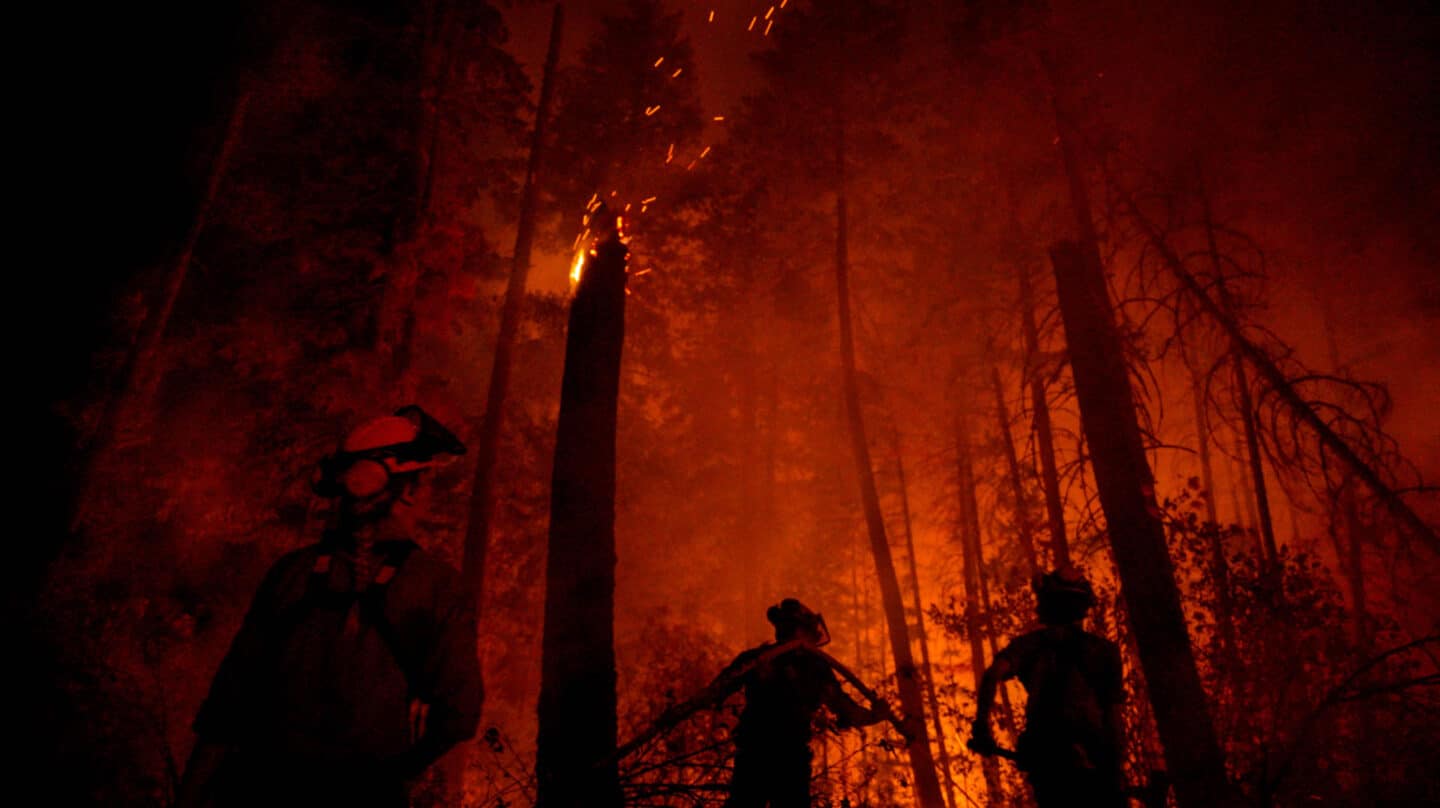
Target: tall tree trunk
<point>975,632</point>
<point>922,764</point>
<point>1219,563</point>
<point>142,370</point>
<point>930,693</point>
<point>482,494</point>
<point>575,764</point>
<point>1044,433</point>
<point>1017,485</point>
<point>1137,537</point>
<point>1269,552</point>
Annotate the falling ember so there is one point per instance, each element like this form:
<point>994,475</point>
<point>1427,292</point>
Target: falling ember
<point>703,153</point>
<point>752,24</point>
<point>692,165</point>
<point>660,61</point>
<point>783,2</point>
<point>647,201</point>
<point>652,110</point>
<point>645,271</point>
<point>670,153</point>
<point>768,26</point>
<point>677,72</point>
<point>718,118</point>
<point>712,16</point>
<point>770,12</point>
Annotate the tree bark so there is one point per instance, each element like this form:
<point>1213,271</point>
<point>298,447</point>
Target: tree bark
<point>1017,485</point>
<point>575,757</point>
<point>931,696</point>
<point>482,495</point>
<point>1044,433</point>
<point>1127,496</point>
<point>922,764</point>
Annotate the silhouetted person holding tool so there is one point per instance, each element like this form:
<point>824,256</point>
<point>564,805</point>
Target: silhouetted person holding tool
<point>1072,748</point>
<point>356,666</point>
<point>786,683</point>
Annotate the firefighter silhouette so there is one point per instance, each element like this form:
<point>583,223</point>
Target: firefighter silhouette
<point>1071,747</point>
<point>785,685</point>
<point>356,665</point>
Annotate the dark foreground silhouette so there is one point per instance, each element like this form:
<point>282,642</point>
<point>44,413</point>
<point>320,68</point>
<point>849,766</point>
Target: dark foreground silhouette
<point>1072,748</point>
<point>356,666</point>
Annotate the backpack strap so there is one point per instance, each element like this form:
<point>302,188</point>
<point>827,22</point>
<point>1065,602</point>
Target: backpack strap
<point>372,607</point>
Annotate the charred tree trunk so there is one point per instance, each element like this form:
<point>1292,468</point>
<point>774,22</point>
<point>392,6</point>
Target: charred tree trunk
<point>931,696</point>
<point>1137,537</point>
<point>969,546</point>
<point>575,756</point>
<point>141,372</point>
<point>1044,433</point>
<point>1017,485</point>
<point>922,764</point>
<point>482,494</point>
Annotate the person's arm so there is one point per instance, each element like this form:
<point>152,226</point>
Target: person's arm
<point>450,684</point>
<point>231,694</point>
<point>848,712</point>
<point>982,737</point>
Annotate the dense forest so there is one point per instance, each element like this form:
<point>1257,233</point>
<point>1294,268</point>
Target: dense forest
<point>917,300</point>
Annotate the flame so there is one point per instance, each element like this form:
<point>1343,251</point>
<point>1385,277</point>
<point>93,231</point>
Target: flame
<point>577,266</point>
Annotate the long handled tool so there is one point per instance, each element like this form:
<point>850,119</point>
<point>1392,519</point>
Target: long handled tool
<point>717,690</point>
<point>874,698</point>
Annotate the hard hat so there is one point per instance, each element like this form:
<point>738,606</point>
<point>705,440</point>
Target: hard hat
<point>1064,581</point>
<point>377,450</point>
<point>790,612</point>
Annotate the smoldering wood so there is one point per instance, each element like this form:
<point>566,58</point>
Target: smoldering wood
<point>575,763</point>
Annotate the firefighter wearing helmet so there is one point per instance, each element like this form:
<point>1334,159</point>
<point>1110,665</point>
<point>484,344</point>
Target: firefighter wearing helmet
<point>785,684</point>
<point>1072,747</point>
<point>356,665</point>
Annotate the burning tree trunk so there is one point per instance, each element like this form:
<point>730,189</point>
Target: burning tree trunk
<point>482,496</point>
<point>1044,434</point>
<point>930,694</point>
<point>575,764</point>
<point>1017,485</point>
<point>1137,537</point>
<point>922,764</point>
<point>968,530</point>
